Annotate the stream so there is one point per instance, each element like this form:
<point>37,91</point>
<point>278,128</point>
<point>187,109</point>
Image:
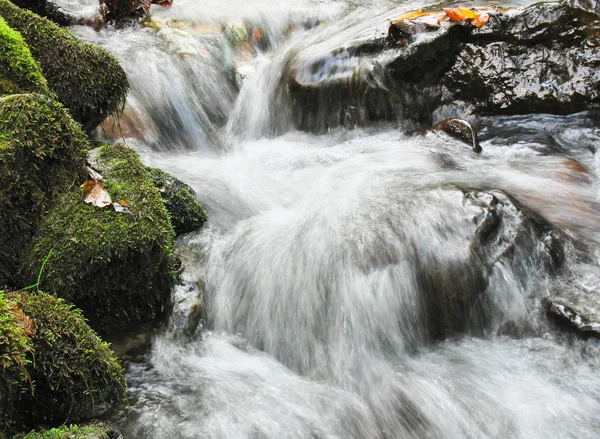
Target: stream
<point>348,285</point>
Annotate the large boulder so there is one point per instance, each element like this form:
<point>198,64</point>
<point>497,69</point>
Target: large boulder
<point>87,79</point>
<point>543,58</point>
<point>54,367</point>
<point>118,267</point>
<point>42,151</point>
<point>18,71</point>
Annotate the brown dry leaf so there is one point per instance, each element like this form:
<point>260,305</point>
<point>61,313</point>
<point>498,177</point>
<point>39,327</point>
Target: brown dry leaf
<point>482,18</point>
<point>94,175</point>
<point>96,194</point>
<point>25,322</point>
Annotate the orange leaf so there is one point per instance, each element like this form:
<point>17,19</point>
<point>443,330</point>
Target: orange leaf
<point>455,14</point>
<point>408,16</point>
<point>482,18</point>
<point>123,203</point>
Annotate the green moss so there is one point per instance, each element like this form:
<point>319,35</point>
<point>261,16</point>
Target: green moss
<point>87,79</point>
<point>62,371</point>
<point>69,432</point>
<point>18,70</point>
<point>180,199</point>
<point>42,152</point>
<point>117,267</point>
<point>15,349</point>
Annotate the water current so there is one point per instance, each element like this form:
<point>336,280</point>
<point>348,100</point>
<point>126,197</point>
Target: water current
<point>348,285</point>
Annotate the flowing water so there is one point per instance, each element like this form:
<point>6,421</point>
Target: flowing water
<point>348,284</point>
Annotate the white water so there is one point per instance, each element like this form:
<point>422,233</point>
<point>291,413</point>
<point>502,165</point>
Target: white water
<point>325,254</point>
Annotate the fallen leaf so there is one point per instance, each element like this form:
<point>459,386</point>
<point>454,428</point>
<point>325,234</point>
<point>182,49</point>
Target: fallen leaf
<point>469,13</point>
<point>120,208</point>
<point>482,18</point>
<point>455,14</point>
<point>123,203</point>
<point>408,16</point>
<point>94,175</point>
<point>25,322</point>
<point>96,194</point>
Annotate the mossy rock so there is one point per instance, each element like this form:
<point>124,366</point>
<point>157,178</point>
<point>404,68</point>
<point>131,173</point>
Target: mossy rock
<point>42,151</point>
<point>92,430</point>
<point>117,267</point>
<point>18,71</point>
<point>55,367</point>
<point>87,79</point>
<point>180,199</point>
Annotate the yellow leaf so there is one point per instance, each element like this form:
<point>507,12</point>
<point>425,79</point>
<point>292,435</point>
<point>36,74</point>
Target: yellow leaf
<point>469,13</point>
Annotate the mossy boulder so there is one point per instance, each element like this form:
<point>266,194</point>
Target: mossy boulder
<point>92,430</point>
<point>18,71</point>
<point>42,151</point>
<point>55,367</point>
<point>87,79</point>
<point>180,199</point>
<point>117,267</point>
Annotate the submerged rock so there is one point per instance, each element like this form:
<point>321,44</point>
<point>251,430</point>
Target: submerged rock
<point>85,78</point>
<point>42,151</point>
<point>461,130</point>
<point>54,366</point>
<point>180,199</point>
<point>575,299</point>
<point>543,58</point>
<point>118,267</point>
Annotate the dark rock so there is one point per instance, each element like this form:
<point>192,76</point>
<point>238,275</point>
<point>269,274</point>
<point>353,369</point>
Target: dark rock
<point>460,129</point>
<point>49,10</point>
<point>543,58</point>
<point>186,213</point>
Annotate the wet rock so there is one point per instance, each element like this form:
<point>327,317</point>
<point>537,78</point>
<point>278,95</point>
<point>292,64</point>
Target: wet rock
<point>460,129</point>
<point>575,298</point>
<point>543,58</point>
<point>186,213</point>
<point>50,10</point>
<point>584,316</point>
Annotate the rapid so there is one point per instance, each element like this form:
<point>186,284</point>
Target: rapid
<point>351,283</point>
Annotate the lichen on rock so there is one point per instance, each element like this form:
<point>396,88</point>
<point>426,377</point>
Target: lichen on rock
<point>86,78</point>
<point>42,151</point>
<point>56,367</point>
<point>117,267</point>
<point>18,71</point>
<point>180,199</point>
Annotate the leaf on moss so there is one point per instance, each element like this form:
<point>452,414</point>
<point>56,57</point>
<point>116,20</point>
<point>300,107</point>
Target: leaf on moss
<point>25,322</point>
<point>96,194</point>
